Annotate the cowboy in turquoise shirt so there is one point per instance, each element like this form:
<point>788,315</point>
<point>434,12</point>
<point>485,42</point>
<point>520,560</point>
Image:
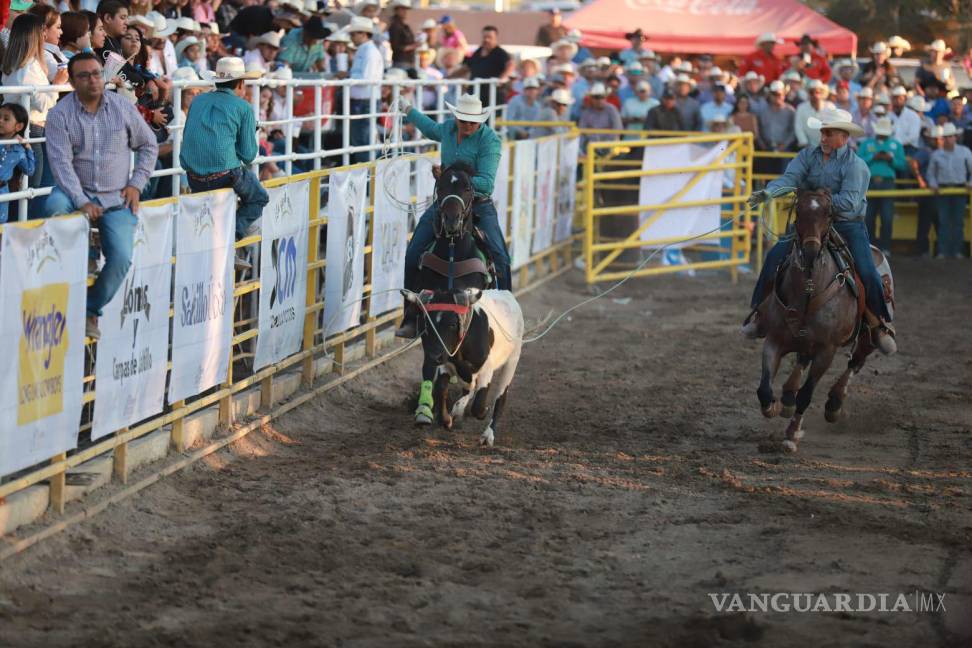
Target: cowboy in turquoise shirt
<point>462,138</point>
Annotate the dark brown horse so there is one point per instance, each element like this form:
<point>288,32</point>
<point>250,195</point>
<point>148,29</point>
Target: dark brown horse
<point>817,307</point>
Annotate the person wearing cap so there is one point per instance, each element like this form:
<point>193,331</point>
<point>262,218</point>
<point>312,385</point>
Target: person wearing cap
<point>718,107</point>
<point>430,33</point>
<point>753,87</point>
<point>263,51</point>
<point>400,36</point>
<point>906,116</point>
<point>91,136</point>
<point>557,109</point>
<point>863,111</point>
<point>637,39</point>
<point>842,96</point>
<point>633,73</point>
<point>763,61</point>
<point>598,113</point>
<point>525,106</point>
<point>777,128</point>
<point>634,110</point>
<point>834,166</point>
<point>303,49</point>
<point>937,105</point>
<point>816,104</point>
<point>587,70</point>
<point>796,94</point>
<point>885,159</point>
<point>219,143</point>
<point>812,59</point>
<point>878,72</point>
<point>465,137</point>
<point>950,167</point>
<point>551,32</point>
<point>688,105</point>
<point>452,37</point>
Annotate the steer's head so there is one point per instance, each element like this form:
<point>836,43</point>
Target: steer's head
<point>444,319</point>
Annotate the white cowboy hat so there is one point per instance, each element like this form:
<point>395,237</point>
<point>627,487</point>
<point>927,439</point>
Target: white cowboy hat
<point>896,42</point>
<point>360,6</point>
<point>531,82</point>
<point>256,66</point>
<point>715,71</point>
<point>883,127</point>
<point>185,73</point>
<point>685,66</point>
<point>561,96</point>
<point>597,90</point>
<point>777,86</point>
<point>187,24</point>
<point>768,37</point>
<point>937,131</point>
<point>563,68</point>
<point>938,45</point>
<point>649,55</point>
<point>642,85</point>
<point>340,36</point>
<point>917,103</point>
<point>213,28</point>
<point>361,24</point>
<point>469,109</point>
<point>144,21</point>
<point>396,74</point>
<point>882,99</point>
<point>865,92</point>
<point>563,42</point>
<point>395,4</point>
<point>684,78</point>
<point>879,47</point>
<point>603,61</point>
<point>844,62</point>
<point>792,75</point>
<point>231,68</point>
<point>753,76</point>
<point>429,24</point>
<point>269,38</point>
<point>836,119</point>
<point>879,110</point>
<point>817,84</point>
<point>282,74</point>
<point>185,44</point>
<point>311,7</point>
<point>948,129</point>
<point>160,26</point>
<point>898,91</point>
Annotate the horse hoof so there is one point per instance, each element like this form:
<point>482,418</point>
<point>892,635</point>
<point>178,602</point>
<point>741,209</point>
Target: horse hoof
<point>486,438</point>
<point>773,410</point>
<point>423,419</point>
<point>787,411</point>
<point>447,422</point>
<point>832,416</point>
<point>788,446</point>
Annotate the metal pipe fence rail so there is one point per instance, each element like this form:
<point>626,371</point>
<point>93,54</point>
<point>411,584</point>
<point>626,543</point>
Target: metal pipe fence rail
<point>311,114</point>
<point>323,361</point>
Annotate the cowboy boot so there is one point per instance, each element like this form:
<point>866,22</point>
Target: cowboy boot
<point>882,333</point>
<point>409,328</point>
<point>752,328</point>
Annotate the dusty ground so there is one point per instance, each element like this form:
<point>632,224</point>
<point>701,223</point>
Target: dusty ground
<point>625,485</point>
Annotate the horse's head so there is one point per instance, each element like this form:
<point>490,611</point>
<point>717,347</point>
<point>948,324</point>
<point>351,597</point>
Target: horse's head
<point>454,196</point>
<point>813,218</point>
<point>449,315</point>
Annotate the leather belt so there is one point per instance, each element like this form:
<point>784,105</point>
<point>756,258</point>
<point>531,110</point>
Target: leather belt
<point>211,176</point>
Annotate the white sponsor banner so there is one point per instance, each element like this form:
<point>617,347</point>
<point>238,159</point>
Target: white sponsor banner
<point>202,329</point>
<point>424,186</point>
<point>521,224</point>
<point>134,347</point>
<point>346,225</point>
<point>283,273</point>
<point>501,189</point>
<point>390,226</point>
<point>566,187</point>
<point>657,189</point>
<point>547,163</point>
<point>43,297</point>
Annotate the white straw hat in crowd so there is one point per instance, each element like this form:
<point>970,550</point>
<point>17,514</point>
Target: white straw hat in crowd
<point>879,48</point>
<point>396,74</point>
<point>948,129</point>
<point>634,67</point>
<point>531,82</point>
<point>684,78</point>
<point>562,96</point>
<point>753,76</point>
<point>879,109</point>
<point>603,61</point>
<point>256,66</point>
<point>341,36</point>
<point>231,68</point>
<point>792,75</point>
<point>144,21</point>
<point>563,42</point>
<point>360,6</point>
<point>865,92</point>
<point>844,62</point>
<point>394,4</point>
<point>898,91</point>
<point>777,87</point>
<point>282,74</point>
<point>563,68</point>
<point>185,44</point>
<point>896,42</point>
<point>936,131</point>
<point>768,37</point>
<point>429,24</point>
<point>882,100</point>
<point>938,45</point>
<point>917,103</point>
<point>686,67</point>
<point>361,24</point>
<point>270,38</point>
<point>715,71</point>
<point>836,119</point>
<point>161,28</point>
<point>817,84</point>
<point>597,90</point>
<point>469,109</point>
<point>648,55</point>
<point>642,85</point>
<point>883,127</point>
<point>187,24</point>
<point>185,73</point>
<point>588,63</point>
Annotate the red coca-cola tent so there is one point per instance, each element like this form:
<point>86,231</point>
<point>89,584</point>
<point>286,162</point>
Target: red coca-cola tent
<point>707,26</point>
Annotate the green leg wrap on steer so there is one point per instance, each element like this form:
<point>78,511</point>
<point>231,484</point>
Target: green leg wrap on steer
<point>423,413</point>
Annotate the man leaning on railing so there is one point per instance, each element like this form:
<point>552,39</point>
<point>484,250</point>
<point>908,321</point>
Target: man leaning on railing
<point>90,136</point>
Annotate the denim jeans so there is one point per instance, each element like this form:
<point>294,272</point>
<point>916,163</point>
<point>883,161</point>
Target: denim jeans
<point>253,197</point>
<point>951,223</point>
<point>927,218</point>
<point>855,235</point>
<point>484,214</point>
<point>884,207</point>
<point>117,229</point>
<point>360,128</point>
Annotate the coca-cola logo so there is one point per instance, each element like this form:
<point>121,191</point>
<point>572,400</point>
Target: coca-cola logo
<point>698,7</point>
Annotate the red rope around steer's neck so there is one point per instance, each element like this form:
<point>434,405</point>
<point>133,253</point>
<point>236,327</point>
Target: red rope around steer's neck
<point>450,308</point>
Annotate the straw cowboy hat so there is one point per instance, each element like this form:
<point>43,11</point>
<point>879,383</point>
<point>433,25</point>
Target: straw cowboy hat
<point>341,36</point>
<point>836,119</point>
<point>684,78</point>
<point>271,39</point>
<point>185,73</point>
<point>185,44</point>
<point>603,61</point>
<point>817,84</point>
<point>597,90</point>
<point>879,47</point>
<point>561,96</point>
<point>188,24</point>
<point>896,42</point>
<point>865,92</point>
<point>144,21</point>
<point>531,82</point>
<point>777,87</point>
<point>361,24</point>
<point>161,28</point>
<point>395,4</point>
<point>360,6</point>
<point>469,109</point>
<point>949,130</point>
<point>917,103</point>
<point>937,131</point>
<point>753,76</point>
<point>898,91</point>
<point>231,68</point>
<point>648,55</point>
<point>563,42</point>
<point>938,45</point>
<point>883,127</point>
<point>768,37</point>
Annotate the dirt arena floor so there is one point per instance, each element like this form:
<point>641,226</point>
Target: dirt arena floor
<point>625,485</point>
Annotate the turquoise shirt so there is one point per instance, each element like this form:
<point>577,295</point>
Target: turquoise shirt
<point>481,150</point>
<point>300,57</point>
<point>220,134</point>
<point>882,168</point>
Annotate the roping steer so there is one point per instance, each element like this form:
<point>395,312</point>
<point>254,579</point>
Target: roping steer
<point>476,336</point>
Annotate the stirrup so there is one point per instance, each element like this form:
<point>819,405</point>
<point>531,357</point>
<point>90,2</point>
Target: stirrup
<point>882,337</point>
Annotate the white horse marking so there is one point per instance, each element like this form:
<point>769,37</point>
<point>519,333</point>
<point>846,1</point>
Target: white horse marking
<point>453,179</point>
<point>486,438</point>
<point>814,204</point>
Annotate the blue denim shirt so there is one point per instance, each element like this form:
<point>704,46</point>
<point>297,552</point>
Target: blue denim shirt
<point>844,174</point>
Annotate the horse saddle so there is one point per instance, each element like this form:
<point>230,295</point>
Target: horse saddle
<point>481,263</point>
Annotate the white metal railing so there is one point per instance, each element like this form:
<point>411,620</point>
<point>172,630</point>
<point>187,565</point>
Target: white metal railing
<point>339,120</point>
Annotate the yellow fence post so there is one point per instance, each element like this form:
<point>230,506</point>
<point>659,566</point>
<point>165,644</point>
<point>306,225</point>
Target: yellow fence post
<point>119,461</point>
<point>589,213</point>
<point>58,485</point>
<point>313,251</point>
<point>177,438</point>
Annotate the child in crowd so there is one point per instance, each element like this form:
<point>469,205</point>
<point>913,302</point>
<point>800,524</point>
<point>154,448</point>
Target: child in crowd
<point>15,159</point>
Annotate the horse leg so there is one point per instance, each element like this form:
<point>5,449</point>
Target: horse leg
<point>441,398</point>
<point>423,413</point>
<point>486,438</point>
<point>771,364</point>
<point>838,393</point>
<point>792,384</point>
<point>821,363</point>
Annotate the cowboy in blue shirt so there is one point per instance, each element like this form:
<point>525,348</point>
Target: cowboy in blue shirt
<point>834,166</point>
<point>464,138</point>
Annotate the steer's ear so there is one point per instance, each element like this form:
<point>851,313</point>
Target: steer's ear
<point>408,295</point>
<point>470,296</point>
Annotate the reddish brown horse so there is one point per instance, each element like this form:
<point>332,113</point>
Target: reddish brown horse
<point>816,310</point>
